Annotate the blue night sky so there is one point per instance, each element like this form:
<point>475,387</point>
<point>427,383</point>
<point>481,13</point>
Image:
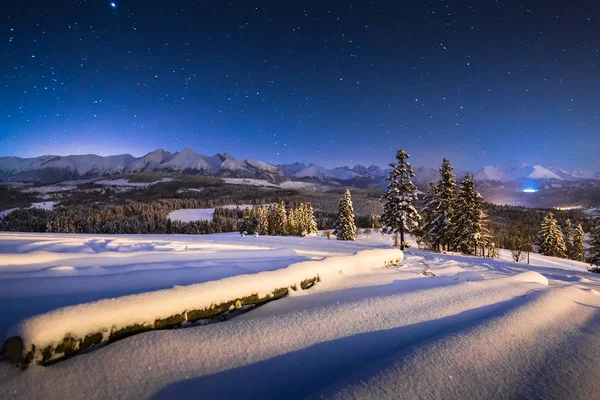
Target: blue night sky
<point>337,83</point>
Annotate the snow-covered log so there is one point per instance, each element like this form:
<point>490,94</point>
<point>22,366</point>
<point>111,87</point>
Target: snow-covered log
<point>63,332</point>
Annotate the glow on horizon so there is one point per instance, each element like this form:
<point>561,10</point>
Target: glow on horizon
<point>528,190</point>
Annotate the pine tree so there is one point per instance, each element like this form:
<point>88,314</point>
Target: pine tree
<point>312,227</point>
<point>399,215</point>
<point>345,227</point>
<point>594,249</point>
<point>271,218</point>
<point>293,228</point>
<point>468,227</point>
<point>579,244</point>
<point>439,204</point>
<point>301,221</point>
<point>260,220</point>
<point>278,219</point>
<point>430,214</point>
<point>245,226</point>
<point>550,238</point>
<point>569,233</point>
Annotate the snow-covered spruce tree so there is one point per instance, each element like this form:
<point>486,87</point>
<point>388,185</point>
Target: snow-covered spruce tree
<point>579,244</point>
<point>430,213</point>
<point>260,220</point>
<point>305,220</point>
<point>594,249</point>
<point>248,225</point>
<point>550,238</point>
<point>292,222</point>
<point>273,212</point>
<point>439,203</point>
<point>279,220</point>
<point>399,215</point>
<point>468,227</point>
<point>312,228</point>
<point>345,227</point>
<point>568,234</point>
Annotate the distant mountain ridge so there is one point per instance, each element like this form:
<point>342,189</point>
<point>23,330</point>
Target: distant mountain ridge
<point>47,169</point>
<point>58,168</point>
<point>514,172</point>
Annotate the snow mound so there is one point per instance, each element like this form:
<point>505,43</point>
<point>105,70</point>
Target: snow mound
<point>531,277</point>
<point>107,316</point>
<point>61,268</point>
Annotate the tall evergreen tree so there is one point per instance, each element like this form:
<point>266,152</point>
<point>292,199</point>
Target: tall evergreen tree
<point>440,203</point>
<point>430,214</point>
<point>569,233</point>
<point>550,238</point>
<point>468,225</point>
<point>399,215</point>
<point>579,244</point>
<point>345,227</point>
<point>278,220</point>
<point>292,220</point>
<point>260,219</point>
<point>594,249</point>
<point>247,225</point>
<point>304,220</point>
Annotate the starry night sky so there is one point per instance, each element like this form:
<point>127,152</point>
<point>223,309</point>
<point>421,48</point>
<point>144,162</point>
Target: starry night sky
<point>337,83</point>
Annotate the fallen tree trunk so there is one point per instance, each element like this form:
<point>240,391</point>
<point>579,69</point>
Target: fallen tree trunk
<point>63,332</point>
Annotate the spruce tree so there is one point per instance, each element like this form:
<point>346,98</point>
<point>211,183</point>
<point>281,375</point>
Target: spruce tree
<point>550,238</point>
<point>260,220</point>
<point>273,214</point>
<point>430,214</point>
<point>569,233</point>
<point>302,221</point>
<point>312,227</point>
<point>399,215</point>
<point>246,225</point>
<point>440,203</point>
<point>468,228</point>
<point>293,228</point>
<point>345,227</point>
<point>579,244</point>
<point>594,249</point>
<point>277,220</point>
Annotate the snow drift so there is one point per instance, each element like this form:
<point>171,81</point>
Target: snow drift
<point>69,330</point>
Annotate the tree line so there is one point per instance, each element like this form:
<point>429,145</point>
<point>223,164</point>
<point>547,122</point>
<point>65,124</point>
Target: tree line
<point>274,219</point>
<point>453,219</point>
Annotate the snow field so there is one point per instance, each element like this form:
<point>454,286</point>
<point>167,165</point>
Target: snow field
<point>275,356</point>
<point>481,328</point>
<point>535,351</point>
<point>202,214</point>
<point>45,205</point>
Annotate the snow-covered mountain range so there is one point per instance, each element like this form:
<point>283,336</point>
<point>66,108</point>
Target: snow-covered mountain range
<point>513,172</point>
<point>187,161</point>
<point>57,168</point>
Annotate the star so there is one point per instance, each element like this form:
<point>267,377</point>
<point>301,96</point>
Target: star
<point>113,5</point>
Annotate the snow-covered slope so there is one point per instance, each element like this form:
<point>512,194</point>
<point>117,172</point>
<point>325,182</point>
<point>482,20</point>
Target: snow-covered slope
<point>75,165</point>
<point>481,328</point>
<point>150,161</point>
<point>318,172</point>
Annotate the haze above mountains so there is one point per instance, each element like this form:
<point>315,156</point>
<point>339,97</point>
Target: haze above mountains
<point>50,169</point>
